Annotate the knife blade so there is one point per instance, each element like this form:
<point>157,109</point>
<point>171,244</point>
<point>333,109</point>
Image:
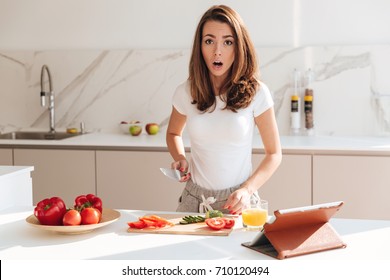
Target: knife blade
<point>171,173</point>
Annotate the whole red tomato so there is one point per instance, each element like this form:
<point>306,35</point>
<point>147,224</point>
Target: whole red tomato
<point>72,218</point>
<point>90,216</point>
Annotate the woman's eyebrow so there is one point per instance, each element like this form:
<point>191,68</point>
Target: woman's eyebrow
<point>213,36</point>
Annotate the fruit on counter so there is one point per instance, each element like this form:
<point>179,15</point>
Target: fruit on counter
<point>90,216</point>
<point>220,223</point>
<point>150,221</point>
<point>191,219</point>
<point>88,201</point>
<point>152,128</point>
<point>213,214</point>
<point>71,130</point>
<point>50,211</point>
<point>135,128</point>
<point>71,218</point>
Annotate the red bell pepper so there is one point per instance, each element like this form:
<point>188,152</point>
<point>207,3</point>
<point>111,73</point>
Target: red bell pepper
<point>87,201</point>
<point>50,211</point>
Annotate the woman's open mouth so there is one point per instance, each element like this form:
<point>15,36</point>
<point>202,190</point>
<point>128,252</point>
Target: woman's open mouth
<point>217,64</point>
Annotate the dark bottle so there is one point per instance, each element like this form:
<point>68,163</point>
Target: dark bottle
<point>308,105</point>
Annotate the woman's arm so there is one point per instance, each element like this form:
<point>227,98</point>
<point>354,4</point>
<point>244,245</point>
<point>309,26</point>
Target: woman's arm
<point>175,144</point>
<point>266,123</point>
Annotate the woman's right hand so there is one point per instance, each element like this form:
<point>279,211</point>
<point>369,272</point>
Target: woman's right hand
<point>182,166</point>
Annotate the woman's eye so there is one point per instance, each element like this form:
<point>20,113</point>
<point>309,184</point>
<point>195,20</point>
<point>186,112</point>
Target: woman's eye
<point>228,43</point>
<point>208,41</point>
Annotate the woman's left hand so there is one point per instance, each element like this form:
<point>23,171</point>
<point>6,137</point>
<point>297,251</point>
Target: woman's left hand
<point>238,201</point>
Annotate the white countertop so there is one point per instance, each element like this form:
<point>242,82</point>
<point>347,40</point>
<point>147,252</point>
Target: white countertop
<point>365,239</point>
<point>290,144</point>
<point>6,171</point>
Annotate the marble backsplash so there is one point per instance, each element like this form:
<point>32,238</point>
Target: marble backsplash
<point>103,87</point>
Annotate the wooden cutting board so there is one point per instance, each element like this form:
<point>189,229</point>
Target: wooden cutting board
<point>190,229</point>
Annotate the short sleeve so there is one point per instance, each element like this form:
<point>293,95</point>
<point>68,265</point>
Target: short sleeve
<point>180,98</point>
<point>262,101</point>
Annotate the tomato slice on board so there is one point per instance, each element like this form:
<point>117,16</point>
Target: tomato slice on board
<point>229,223</point>
<point>138,224</point>
<point>215,223</point>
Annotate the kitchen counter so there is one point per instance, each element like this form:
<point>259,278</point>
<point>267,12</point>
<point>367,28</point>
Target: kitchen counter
<point>290,144</point>
<point>15,186</point>
<point>365,239</point>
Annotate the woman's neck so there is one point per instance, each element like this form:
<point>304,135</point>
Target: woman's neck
<point>217,83</point>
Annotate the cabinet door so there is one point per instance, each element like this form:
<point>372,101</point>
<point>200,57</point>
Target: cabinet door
<point>133,180</point>
<point>6,157</point>
<point>362,182</point>
<point>63,173</point>
<point>290,185</point>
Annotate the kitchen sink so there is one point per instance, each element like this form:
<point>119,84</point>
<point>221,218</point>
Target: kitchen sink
<point>37,135</point>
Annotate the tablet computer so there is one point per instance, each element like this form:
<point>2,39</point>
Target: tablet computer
<point>297,231</point>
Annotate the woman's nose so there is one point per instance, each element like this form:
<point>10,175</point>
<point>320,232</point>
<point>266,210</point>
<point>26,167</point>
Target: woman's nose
<point>217,51</point>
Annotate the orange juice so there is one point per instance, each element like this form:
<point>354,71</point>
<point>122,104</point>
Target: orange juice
<point>254,217</point>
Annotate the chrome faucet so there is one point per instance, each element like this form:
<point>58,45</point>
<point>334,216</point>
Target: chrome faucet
<point>50,95</point>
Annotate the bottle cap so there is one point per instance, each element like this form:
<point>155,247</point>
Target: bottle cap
<point>309,91</point>
<point>308,98</point>
<point>294,97</point>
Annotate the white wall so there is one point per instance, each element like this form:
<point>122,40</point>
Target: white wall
<point>126,57</point>
<point>156,24</point>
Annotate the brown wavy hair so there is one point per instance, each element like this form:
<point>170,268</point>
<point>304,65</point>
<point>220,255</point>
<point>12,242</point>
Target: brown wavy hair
<point>242,81</point>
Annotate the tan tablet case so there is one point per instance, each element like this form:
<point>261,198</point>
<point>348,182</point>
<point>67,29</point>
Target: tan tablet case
<point>297,233</point>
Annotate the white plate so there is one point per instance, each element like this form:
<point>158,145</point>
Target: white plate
<point>109,216</point>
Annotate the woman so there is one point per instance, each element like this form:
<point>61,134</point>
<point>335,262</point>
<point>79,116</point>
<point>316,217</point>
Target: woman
<point>220,104</point>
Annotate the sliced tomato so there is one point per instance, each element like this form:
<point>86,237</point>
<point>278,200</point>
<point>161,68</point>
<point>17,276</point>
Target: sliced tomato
<point>138,224</point>
<point>229,223</point>
<point>215,223</point>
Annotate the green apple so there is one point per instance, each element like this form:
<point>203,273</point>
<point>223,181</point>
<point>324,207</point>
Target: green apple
<point>152,128</point>
<point>135,130</point>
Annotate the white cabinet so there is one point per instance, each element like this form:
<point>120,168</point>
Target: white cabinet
<point>6,157</point>
<point>63,173</point>
<point>15,186</point>
<point>133,180</point>
<point>290,186</point>
<point>362,182</point>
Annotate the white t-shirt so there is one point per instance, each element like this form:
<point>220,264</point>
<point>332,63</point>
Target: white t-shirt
<point>221,141</point>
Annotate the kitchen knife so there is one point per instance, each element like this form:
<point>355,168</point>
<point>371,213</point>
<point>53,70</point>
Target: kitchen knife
<point>171,173</point>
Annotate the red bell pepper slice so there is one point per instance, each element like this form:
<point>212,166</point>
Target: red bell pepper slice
<point>50,211</point>
<point>87,201</point>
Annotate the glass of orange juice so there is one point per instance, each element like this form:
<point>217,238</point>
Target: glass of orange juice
<point>255,215</point>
